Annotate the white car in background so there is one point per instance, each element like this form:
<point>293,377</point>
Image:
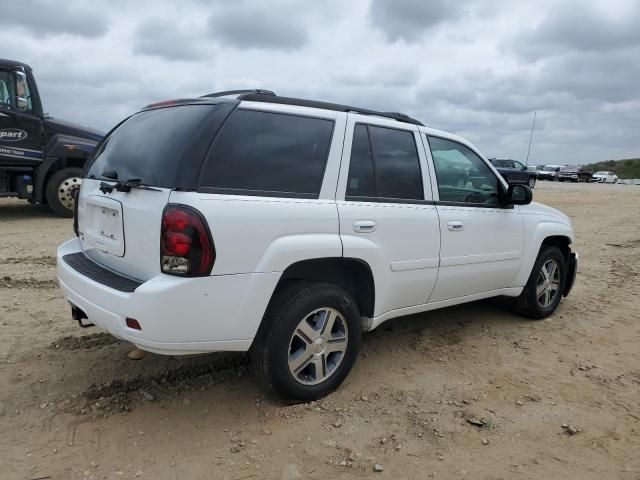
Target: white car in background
<point>604,177</point>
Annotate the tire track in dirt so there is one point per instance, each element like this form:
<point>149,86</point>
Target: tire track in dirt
<point>30,282</point>
<point>119,395</point>
<point>85,342</point>
<point>44,260</point>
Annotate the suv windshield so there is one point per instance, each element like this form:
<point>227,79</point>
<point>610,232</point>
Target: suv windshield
<point>149,145</point>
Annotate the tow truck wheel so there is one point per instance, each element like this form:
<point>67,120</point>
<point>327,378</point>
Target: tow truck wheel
<point>61,191</point>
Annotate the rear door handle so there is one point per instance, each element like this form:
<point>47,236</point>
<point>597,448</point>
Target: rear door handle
<point>364,226</point>
<point>455,226</point>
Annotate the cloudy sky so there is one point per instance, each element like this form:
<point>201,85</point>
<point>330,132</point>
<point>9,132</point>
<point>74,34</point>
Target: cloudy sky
<point>479,68</point>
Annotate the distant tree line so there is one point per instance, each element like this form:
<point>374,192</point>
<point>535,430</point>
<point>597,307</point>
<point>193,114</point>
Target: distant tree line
<point>627,168</point>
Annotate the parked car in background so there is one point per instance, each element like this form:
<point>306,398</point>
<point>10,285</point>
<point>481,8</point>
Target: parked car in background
<point>514,172</point>
<point>574,173</point>
<point>604,177</point>
<point>550,172</point>
<point>533,169</point>
<point>300,226</point>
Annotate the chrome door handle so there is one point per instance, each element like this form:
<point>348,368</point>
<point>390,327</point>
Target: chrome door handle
<point>455,226</point>
<point>364,226</point>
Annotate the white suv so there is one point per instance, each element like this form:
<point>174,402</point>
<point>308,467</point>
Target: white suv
<point>285,227</point>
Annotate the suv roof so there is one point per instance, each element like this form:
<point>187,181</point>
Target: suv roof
<point>267,96</point>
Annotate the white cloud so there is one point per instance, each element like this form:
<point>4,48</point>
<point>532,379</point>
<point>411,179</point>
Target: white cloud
<point>479,69</point>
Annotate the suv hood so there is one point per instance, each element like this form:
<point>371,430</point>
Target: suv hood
<point>535,208</point>
<point>55,126</point>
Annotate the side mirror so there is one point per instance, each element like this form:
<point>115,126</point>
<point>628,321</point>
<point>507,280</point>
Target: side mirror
<point>20,78</point>
<point>519,195</point>
<point>558,169</point>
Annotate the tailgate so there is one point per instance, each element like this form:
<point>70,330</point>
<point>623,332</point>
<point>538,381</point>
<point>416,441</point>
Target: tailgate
<point>121,230</point>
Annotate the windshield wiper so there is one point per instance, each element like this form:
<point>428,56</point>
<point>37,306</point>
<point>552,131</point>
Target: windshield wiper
<point>126,186</point>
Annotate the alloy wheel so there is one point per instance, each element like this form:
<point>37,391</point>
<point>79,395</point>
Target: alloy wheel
<point>318,346</point>
<point>548,284</point>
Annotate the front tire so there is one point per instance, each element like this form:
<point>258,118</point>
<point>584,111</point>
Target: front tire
<point>542,293</point>
<point>61,190</point>
<point>308,342</point>
<point>532,182</point>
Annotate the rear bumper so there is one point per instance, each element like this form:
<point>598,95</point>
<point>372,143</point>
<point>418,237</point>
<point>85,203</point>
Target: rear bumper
<point>572,269</point>
<point>177,315</point>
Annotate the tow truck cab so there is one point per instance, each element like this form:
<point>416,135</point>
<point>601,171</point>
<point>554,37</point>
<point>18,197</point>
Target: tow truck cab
<point>41,157</point>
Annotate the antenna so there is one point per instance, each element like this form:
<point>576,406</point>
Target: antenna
<point>531,137</point>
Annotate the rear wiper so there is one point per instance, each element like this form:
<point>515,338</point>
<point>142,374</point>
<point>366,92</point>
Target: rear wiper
<point>126,186</point>
<point>112,174</point>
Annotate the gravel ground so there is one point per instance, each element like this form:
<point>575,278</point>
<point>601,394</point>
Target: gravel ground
<point>467,392</point>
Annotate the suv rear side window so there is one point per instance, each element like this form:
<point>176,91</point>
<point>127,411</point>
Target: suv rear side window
<point>149,145</point>
<point>384,165</point>
<point>264,153</point>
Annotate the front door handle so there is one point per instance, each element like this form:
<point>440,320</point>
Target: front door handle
<point>455,226</point>
<point>364,226</point>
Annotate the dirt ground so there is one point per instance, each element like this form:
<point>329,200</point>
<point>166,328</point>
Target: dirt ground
<point>467,392</point>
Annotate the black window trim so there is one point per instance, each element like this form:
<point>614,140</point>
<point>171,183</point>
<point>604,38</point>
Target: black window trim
<point>265,193</point>
<point>257,193</point>
<point>447,203</point>
<point>378,199</point>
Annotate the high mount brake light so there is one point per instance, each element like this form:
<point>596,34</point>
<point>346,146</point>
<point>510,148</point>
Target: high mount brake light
<point>163,103</point>
<point>186,246</point>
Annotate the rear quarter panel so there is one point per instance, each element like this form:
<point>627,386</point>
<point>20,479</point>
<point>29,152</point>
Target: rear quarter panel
<point>264,234</point>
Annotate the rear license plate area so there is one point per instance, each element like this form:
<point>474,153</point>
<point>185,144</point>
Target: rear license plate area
<point>103,225</point>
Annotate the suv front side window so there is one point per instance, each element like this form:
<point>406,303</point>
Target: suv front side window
<point>384,165</point>
<point>462,176</point>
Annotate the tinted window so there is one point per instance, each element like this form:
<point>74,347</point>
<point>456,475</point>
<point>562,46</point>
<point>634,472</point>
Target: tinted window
<point>361,182</point>
<point>461,174</point>
<point>149,145</point>
<point>384,164</point>
<point>269,153</point>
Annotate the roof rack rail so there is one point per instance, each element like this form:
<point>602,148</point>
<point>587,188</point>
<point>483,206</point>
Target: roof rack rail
<point>270,97</point>
<point>238,92</point>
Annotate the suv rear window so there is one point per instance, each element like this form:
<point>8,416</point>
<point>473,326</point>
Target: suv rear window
<point>149,145</point>
<point>264,153</point>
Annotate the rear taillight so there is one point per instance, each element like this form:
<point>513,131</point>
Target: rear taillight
<point>186,247</point>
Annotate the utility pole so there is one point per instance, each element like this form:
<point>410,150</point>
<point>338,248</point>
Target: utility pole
<point>531,137</point>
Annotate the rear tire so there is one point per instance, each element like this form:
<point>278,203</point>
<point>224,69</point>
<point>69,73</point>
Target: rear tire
<point>61,189</point>
<point>299,352</point>
<point>533,302</point>
<point>532,182</point>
